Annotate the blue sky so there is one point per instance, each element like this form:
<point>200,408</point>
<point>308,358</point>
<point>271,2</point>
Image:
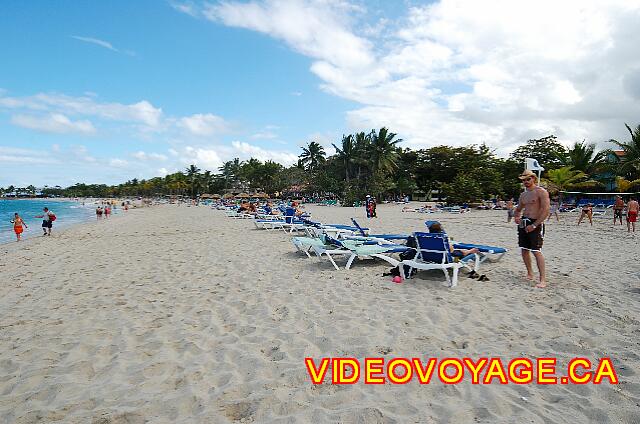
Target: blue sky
<point>107,91</point>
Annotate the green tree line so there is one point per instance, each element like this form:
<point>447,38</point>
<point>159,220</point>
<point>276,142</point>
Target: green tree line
<point>375,163</point>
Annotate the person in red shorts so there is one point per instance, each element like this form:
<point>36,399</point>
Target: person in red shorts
<point>632,214</point>
<point>18,226</point>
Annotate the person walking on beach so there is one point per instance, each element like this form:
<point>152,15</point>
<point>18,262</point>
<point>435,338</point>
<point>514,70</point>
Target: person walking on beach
<point>554,210</point>
<point>632,214</point>
<point>510,209</point>
<point>587,210</point>
<point>534,207</point>
<point>618,207</point>
<point>370,206</point>
<point>99,212</point>
<point>18,225</point>
<point>47,221</point>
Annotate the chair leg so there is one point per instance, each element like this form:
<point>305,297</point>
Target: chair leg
<point>331,259</point>
<point>446,275</point>
<point>307,250</point>
<point>350,261</point>
<point>454,280</point>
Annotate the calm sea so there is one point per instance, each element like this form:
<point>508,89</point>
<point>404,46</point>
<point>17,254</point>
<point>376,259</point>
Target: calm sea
<point>67,213</point>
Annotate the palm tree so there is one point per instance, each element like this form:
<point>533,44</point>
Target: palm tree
<point>231,171</point>
<point>630,162</point>
<point>582,156</point>
<point>206,180</point>
<point>384,151</point>
<point>312,156</point>
<point>562,177</point>
<point>347,154</point>
<point>361,151</point>
<point>193,174</point>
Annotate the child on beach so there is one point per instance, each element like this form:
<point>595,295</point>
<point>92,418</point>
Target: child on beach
<point>18,223</point>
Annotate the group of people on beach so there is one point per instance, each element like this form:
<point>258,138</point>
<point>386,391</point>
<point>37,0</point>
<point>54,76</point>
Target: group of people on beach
<point>47,223</point>
<point>267,209</point>
<point>618,210</point>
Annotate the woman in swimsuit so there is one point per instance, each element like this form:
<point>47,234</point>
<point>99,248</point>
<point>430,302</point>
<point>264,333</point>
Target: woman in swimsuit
<point>18,223</point>
<point>587,210</point>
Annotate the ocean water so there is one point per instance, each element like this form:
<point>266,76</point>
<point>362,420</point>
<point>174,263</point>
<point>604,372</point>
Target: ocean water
<point>67,214</point>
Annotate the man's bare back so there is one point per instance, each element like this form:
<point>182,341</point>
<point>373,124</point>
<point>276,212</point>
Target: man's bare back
<point>633,206</point>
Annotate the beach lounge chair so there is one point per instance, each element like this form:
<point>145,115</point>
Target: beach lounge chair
<point>365,233</point>
<point>486,252</point>
<point>305,244</point>
<point>434,253</point>
<point>358,249</point>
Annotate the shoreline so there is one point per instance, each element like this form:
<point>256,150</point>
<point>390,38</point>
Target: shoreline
<point>58,230</point>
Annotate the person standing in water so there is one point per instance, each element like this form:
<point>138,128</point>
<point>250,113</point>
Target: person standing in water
<point>18,225</point>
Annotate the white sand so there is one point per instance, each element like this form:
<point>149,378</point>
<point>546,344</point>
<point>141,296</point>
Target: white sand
<point>176,314</point>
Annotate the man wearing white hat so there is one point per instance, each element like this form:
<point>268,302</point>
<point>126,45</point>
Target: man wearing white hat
<point>534,207</point>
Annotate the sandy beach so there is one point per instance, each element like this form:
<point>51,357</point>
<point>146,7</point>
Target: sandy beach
<point>176,314</point>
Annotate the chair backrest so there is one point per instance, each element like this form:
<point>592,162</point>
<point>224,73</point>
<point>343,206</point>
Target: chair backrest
<point>289,215</point>
<point>330,240</point>
<point>360,229</point>
<point>437,242</point>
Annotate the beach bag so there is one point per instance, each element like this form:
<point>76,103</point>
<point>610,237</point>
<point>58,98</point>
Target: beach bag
<point>407,254</point>
<point>52,217</point>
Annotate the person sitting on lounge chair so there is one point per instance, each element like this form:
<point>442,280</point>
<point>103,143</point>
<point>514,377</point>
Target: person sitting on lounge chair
<point>436,227</point>
<point>298,210</point>
<point>269,210</point>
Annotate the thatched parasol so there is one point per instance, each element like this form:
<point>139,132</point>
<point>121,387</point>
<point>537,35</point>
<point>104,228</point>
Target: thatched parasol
<point>228,196</point>
<point>205,196</point>
<point>262,195</point>
<point>215,196</point>
<point>243,196</point>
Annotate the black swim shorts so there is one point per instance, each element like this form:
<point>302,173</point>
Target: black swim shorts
<point>533,240</point>
<point>617,213</point>
<point>46,223</point>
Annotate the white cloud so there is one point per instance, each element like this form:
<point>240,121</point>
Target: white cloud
<point>142,112</point>
<point>204,124</point>
<point>81,153</point>
<point>96,41</point>
<point>53,123</point>
<point>16,156</point>
<point>202,157</point>
<point>319,29</point>
<point>246,150</point>
<point>462,71</point>
<point>185,7</point>
<point>118,163</point>
<point>264,135</point>
<point>104,44</point>
<point>140,155</point>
